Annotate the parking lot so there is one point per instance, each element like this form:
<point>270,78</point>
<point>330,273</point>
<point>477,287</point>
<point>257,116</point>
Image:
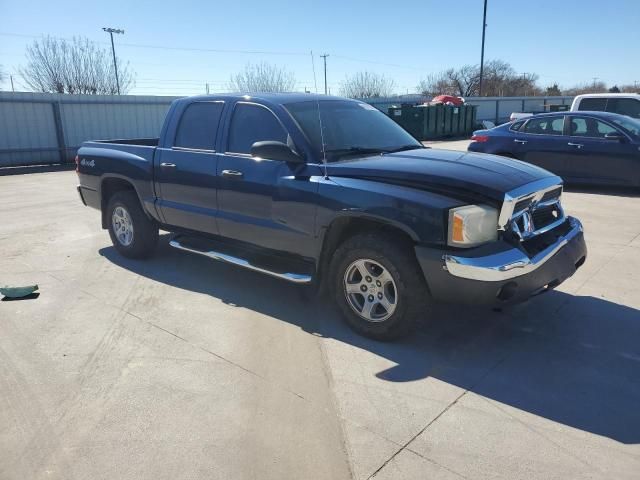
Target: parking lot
<point>181,367</point>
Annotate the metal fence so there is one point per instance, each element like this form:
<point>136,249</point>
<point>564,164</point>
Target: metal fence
<point>48,128</point>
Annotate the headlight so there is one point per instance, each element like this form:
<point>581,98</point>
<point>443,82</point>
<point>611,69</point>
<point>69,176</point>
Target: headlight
<point>472,225</point>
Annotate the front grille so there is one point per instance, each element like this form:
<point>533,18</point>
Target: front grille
<point>551,195</point>
<point>534,214</point>
<point>532,209</point>
<point>545,215</point>
<point>522,204</point>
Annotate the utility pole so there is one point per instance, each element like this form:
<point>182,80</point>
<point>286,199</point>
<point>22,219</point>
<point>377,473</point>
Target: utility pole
<point>207,89</point>
<point>594,82</point>
<point>484,28</point>
<point>111,31</point>
<point>11,78</point>
<point>324,57</point>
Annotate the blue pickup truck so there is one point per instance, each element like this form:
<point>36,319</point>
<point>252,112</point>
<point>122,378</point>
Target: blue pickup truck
<point>331,192</point>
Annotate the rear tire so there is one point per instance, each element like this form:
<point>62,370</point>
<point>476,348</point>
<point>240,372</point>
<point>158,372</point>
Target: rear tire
<point>132,233</point>
<point>378,286</point>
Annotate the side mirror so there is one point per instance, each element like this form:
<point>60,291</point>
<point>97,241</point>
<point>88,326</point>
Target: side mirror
<point>275,151</point>
<point>615,137</point>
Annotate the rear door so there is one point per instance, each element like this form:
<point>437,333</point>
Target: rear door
<point>540,141</point>
<point>594,159</point>
<point>186,179</point>
<point>269,203</point>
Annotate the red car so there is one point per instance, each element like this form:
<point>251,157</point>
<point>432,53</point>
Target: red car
<point>455,101</point>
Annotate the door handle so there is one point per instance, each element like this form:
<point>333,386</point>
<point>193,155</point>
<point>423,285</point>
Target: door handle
<point>520,141</point>
<point>232,174</point>
<point>577,145</point>
<point>167,165</point>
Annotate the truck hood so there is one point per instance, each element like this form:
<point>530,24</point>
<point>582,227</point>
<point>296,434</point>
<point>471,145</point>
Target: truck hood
<point>443,170</point>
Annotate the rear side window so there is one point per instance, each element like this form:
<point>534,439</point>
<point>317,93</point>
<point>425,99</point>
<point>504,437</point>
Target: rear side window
<point>544,126</point>
<point>199,125</point>
<point>516,126</point>
<point>624,106</point>
<point>593,104</point>
<point>253,123</point>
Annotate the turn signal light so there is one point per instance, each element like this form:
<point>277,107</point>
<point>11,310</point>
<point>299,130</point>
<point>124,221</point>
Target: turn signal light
<point>457,230</point>
<point>480,138</point>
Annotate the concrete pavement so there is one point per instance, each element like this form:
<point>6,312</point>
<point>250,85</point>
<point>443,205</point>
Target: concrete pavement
<point>181,367</point>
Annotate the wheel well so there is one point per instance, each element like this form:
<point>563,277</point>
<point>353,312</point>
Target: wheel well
<point>109,187</point>
<point>343,228</point>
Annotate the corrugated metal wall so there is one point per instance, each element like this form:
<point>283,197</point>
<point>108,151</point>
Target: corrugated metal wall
<point>45,128</point>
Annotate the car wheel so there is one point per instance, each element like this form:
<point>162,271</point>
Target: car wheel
<point>132,233</point>
<point>378,286</point>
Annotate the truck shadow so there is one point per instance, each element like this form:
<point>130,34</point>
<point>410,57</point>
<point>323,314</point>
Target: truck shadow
<point>573,360</point>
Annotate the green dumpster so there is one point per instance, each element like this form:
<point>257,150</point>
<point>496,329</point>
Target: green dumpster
<point>428,122</point>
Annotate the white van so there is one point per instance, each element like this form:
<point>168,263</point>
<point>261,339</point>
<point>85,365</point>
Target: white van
<point>622,103</point>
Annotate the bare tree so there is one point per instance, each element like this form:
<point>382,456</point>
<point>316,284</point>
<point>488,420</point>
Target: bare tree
<point>73,66</point>
<point>499,79</point>
<point>594,87</point>
<point>262,77</point>
<point>635,88</point>
<point>367,85</point>
<point>2,74</point>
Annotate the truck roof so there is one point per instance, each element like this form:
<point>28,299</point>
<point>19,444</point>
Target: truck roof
<point>615,95</point>
<point>277,98</point>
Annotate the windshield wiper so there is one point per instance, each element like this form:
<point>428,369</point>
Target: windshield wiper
<point>340,152</point>
<point>404,148</point>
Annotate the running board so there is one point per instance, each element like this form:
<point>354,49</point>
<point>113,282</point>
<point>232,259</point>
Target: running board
<point>241,262</point>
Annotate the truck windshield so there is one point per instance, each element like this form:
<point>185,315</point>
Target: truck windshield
<point>349,128</point>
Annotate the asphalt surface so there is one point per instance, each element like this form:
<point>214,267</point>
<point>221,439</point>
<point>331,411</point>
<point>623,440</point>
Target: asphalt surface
<point>180,367</point>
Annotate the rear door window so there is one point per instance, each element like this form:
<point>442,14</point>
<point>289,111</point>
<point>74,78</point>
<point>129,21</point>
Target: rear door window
<point>544,126</point>
<point>199,125</point>
<point>253,123</point>
<point>624,106</point>
<point>598,104</point>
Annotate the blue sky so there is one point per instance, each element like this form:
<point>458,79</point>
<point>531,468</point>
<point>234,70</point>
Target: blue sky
<point>564,41</point>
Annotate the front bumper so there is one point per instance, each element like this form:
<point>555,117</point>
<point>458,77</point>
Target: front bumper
<point>499,274</point>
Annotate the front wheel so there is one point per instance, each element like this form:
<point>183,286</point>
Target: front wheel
<point>133,234</point>
<point>378,286</point>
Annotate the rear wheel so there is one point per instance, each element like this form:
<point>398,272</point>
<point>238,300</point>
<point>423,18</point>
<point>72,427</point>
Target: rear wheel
<point>132,233</point>
<point>378,286</point>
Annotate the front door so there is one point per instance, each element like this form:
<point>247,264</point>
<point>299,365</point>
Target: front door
<point>592,158</point>
<point>540,142</point>
<point>186,170</point>
<point>269,203</point>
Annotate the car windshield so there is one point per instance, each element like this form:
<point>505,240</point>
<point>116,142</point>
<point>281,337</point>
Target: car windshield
<point>349,128</point>
<point>630,124</point>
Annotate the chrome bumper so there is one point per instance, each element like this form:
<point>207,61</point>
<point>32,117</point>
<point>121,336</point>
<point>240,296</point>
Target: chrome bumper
<point>508,264</point>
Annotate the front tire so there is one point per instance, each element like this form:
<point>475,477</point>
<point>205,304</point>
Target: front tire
<point>378,286</point>
<point>132,233</point>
